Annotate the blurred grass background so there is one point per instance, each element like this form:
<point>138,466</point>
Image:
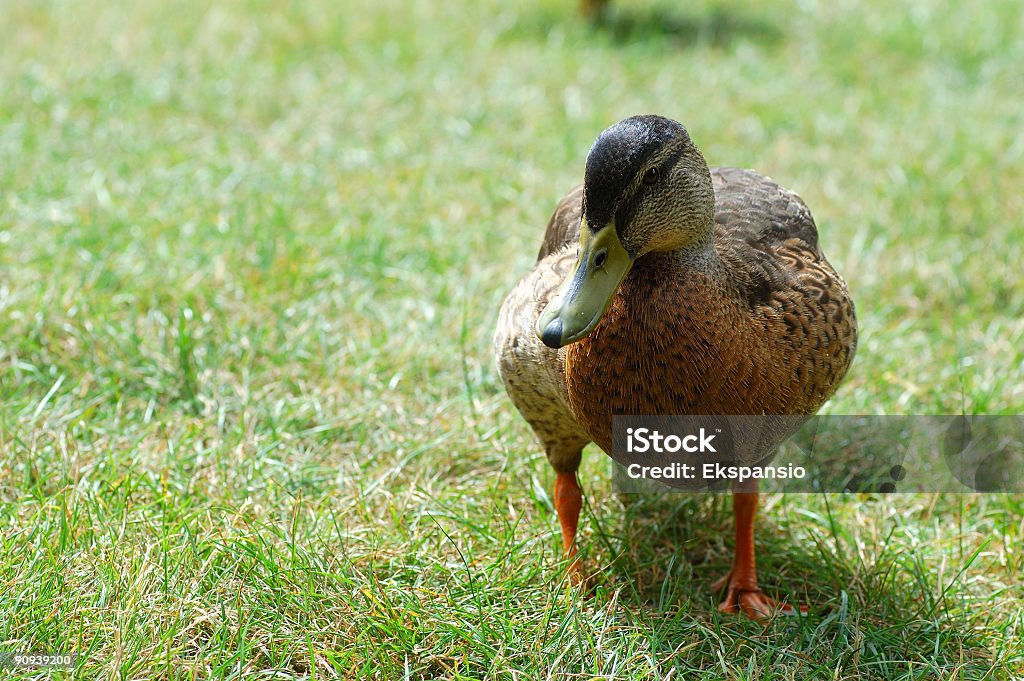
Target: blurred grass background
<point>251,256</point>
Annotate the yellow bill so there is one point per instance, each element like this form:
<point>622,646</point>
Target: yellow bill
<point>577,308</point>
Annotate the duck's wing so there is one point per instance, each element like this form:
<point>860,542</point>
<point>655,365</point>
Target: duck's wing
<point>756,210</point>
<point>564,225</point>
<point>768,242</point>
<point>532,372</point>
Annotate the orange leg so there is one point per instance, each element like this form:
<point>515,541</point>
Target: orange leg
<point>742,591</point>
<point>568,502</point>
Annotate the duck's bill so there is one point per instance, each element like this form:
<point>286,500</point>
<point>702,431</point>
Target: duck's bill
<point>586,293</point>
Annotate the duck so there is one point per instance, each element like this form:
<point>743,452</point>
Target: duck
<point>593,10</point>
<point>665,287</point>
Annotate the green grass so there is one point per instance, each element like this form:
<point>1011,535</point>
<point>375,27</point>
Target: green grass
<point>250,262</point>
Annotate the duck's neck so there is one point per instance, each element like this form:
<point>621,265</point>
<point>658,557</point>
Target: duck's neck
<point>697,259</point>
<point>698,255</point>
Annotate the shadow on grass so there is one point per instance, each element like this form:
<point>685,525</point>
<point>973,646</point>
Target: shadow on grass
<point>890,616</point>
<point>720,26</point>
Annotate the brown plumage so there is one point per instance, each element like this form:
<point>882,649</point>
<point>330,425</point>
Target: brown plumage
<point>727,305</point>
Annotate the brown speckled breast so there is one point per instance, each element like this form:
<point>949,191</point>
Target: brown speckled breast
<point>696,338</point>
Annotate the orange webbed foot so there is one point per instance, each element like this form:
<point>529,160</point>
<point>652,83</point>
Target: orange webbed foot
<point>744,595</point>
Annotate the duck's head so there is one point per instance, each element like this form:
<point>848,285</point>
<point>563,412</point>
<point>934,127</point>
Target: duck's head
<point>646,188</point>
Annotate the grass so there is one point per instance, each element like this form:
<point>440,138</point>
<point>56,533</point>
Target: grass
<point>250,262</point>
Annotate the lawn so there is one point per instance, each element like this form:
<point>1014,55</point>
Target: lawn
<point>251,257</point>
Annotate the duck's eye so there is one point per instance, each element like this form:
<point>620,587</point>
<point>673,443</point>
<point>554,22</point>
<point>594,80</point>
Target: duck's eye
<point>651,176</point>
<point>599,258</point>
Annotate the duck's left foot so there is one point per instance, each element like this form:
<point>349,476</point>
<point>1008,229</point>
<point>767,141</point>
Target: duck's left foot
<point>744,595</point>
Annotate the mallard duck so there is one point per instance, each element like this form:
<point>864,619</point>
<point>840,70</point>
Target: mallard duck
<point>666,287</point>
